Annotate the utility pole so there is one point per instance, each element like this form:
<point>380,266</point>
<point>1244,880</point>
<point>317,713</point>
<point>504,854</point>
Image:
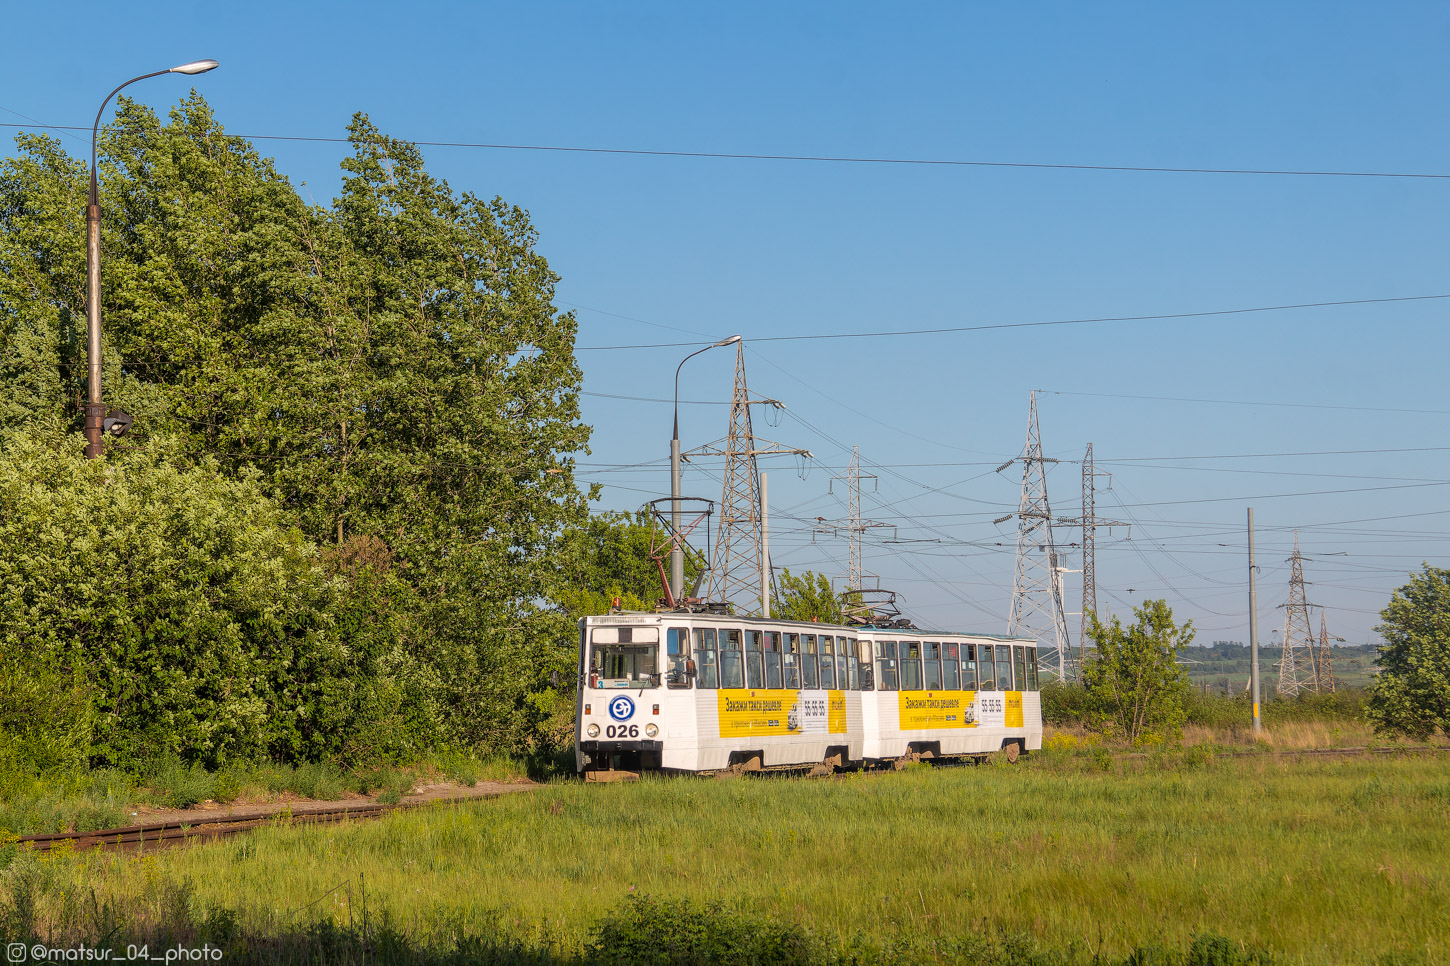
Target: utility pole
<point>766,574</point>
<point>1037,610</point>
<point>1326,663</point>
<point>677,553</point>
<point>97,420</point>
<point>1253,629</point>
<point>739,567</point>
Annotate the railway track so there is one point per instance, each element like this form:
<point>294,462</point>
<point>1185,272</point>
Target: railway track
<point>157,835</point>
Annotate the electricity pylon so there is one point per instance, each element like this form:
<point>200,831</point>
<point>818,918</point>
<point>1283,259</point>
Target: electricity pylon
<point>739,566</point>
<point>1297,671</point>
<point>854,603</point>
<point>1037,610</point>
<point>1090,521</point>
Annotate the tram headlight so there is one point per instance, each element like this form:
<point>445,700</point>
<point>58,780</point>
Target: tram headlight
<point>592,731</point>
<point>651,729</point>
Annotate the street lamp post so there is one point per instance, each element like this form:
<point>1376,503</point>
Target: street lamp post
<point>95,410</point>
<point>677,553</point>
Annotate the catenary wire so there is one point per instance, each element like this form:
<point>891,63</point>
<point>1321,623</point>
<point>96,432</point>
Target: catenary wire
<point>842,159</point>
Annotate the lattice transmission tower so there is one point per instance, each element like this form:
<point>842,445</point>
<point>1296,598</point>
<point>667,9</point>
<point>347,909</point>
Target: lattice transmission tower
<point>1037,610</point>
<point>1297,671</point>
<point>856,577</point>
<point>1090,521</point>
<point>739,568</point>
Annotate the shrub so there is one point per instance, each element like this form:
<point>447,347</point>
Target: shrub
<point>1064,704</point>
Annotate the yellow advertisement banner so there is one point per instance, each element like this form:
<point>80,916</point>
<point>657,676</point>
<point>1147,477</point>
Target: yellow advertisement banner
<point>745,713</point>
<point>1013,716</point>
<point>920,710</point>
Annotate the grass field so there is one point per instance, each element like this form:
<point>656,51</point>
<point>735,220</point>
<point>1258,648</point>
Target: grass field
<point>1319,861</point>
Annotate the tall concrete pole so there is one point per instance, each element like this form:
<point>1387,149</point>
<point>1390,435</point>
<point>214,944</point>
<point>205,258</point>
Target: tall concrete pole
<point>95,408</point>
<point>677,552</point>
<point>677,555</point>
<point>1253,629</point>
<point>764,552</point>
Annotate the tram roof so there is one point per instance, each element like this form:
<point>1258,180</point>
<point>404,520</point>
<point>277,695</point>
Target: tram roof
<point>643,617</point>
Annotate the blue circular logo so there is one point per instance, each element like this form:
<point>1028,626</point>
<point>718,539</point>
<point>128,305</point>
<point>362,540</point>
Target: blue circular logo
<point>621,708</point>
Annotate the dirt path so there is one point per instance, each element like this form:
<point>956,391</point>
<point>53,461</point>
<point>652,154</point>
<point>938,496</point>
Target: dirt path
<point>211,811</point>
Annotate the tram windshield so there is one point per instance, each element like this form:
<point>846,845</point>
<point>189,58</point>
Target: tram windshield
<point>624,657</point>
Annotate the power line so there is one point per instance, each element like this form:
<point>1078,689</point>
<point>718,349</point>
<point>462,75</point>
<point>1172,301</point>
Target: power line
<point>1248,402</point>
<point>1254,456</point>
<point>836,159</point>
<point>823,336</point>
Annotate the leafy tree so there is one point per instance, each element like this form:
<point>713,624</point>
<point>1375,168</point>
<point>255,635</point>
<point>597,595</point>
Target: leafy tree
<point>182,604</point>
<point>806,597</point>
<point>389,368</point>
<point>1132,676</point>
<point>1411,695</point>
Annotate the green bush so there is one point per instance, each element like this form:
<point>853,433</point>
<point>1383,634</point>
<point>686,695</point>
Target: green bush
<point>206,627</point>
<point>1344,704</point>
<point>175,784</point>
<point>1214,710</point>
<point>1064,704</point>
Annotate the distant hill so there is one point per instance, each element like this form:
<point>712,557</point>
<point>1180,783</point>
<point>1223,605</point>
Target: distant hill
<point>1225,665</point>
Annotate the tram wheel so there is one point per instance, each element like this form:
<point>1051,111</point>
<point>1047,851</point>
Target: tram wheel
<point>1011,751</point>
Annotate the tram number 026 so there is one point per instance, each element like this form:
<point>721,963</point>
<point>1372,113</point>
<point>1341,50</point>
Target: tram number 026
<point>621,731</point>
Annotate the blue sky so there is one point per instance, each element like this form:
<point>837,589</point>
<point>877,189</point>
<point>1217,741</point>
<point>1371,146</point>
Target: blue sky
<point>676,250</point>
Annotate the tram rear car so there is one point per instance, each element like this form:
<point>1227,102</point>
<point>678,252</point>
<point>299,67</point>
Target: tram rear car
<point>705,693</point>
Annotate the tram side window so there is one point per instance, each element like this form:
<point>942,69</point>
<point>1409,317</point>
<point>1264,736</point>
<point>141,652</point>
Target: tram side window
<point>732,667</point>
<point>792,657</point>
<point>705,656</point>
<point>1004,667</point>
<point>842,682</point>
<point>864,650</point>
<point>1019,656</point>
<point>911,665</point>
<point>1032,667</point>
<point>988,670</point>
<point>828,663</point>
<point>931,654</point>
<point>950,669</point>
<point>853,664</point>
<point>677,652</point>
<point>771,642</point>
<point>886,665</point>
<point>754,661</point>
<point>808,661</point>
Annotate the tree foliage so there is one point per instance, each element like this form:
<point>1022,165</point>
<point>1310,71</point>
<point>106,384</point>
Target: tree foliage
<point>1411,695</point>
<point>180,608</point>
<point>609,557</point>
<point>1131,674</point>
<point>806,597</point>
<point>386,372</point>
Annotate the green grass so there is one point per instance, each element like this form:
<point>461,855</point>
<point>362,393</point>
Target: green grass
<point>1318,861</point>
<point>70,800</point>
<point>66,800</point>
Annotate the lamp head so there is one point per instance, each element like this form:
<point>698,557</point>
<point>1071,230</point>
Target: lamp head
<point>116,422</point>
<point>730,341</point>
<point>195,67</point>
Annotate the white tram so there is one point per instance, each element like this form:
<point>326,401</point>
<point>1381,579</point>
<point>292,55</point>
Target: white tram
<point>703,692</point>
